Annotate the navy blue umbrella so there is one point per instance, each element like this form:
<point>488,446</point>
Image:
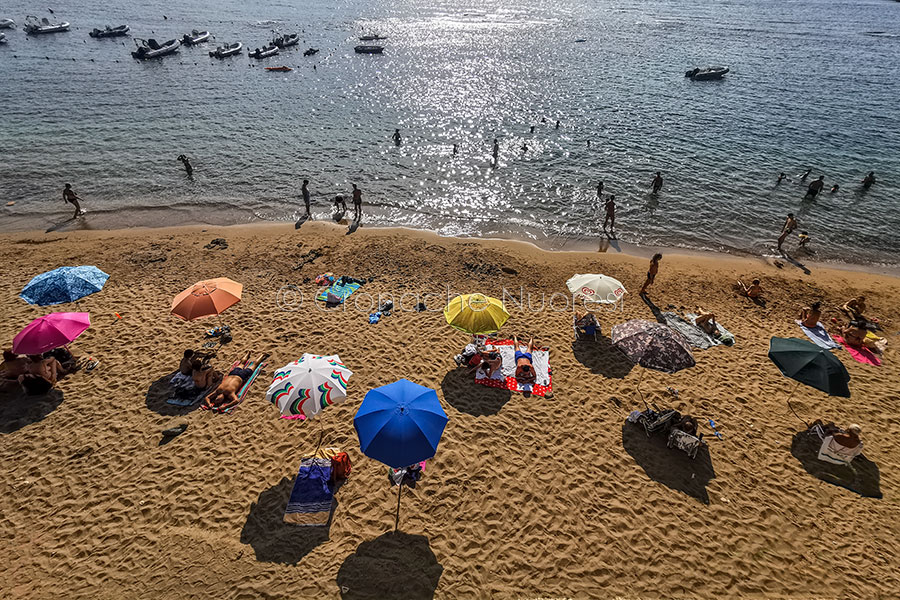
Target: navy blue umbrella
<point>400,424</point>
<point>65,284</point>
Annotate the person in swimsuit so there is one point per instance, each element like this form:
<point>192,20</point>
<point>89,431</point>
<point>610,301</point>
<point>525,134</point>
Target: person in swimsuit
<point>524,362</point>
<point>227,392</point>
<point>610,212</point>
<point>396,137</point>
<point>780,178</point>
<point>304,191</point>
<point>490,362</point>
<point>651,273</point>
<point>790,224</point>
<point>187,164</point>
<point>706,321</point>
<point>69,195</point>
<point>815,187</point>
<point>204,375</point>
<point>600,191</point>
<point>803,239</point>
<point>811,315</point>
<point>805,175</point>
<point>752,291</point>
<point>357,203</point>
<point>13,365</point>
<point>340,207</point>
<point>496,151</point>
<point>856,307</point>
<point>657,182</point>
<point>868,180</point>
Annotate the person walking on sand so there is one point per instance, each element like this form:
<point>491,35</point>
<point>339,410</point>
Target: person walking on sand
<point>69,196</point>
<point>815,187</point>
<point>396,137</point>
<point>610,212</point>
<point>187,164</point>
<point>304,190</point>
<point>357,203</point>
<point>868,180</point>
<point>651,273</point>
<point>790,224</point>
<point>657,183</point>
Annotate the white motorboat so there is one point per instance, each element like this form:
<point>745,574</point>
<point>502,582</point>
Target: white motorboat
<point>195,37</point>
<point>287,40</point>
<point>7,24</point>
<point>707,73</point>
<point>153,49</point>
<point>34,26</point>
<point>264,52</point>
<point>108,32</point>
<point>227,50</point>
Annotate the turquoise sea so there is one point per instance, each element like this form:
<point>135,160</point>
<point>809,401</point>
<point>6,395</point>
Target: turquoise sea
<point>814,84</point>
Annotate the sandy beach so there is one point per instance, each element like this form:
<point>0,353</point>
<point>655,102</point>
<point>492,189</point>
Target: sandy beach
<point>527,497</point>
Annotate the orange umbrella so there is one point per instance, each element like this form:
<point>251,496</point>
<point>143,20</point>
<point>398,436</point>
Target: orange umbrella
<point>206,298</point>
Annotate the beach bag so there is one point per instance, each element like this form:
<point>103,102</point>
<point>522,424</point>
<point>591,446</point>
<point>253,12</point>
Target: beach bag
<point>340,467</point>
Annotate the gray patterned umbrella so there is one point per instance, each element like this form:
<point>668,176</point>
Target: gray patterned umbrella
<point>653,345</point>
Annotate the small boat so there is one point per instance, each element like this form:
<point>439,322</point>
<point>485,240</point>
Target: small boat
<point>7,24</point>
<point>368,49</point>
<point>108,32</point>
<point>282,69</point>
<point>287,40</point>
<point>310,52</point>
<point>35,26</point>
<point>227,50</point>
<point>707,73</point>
<point>194,37</point>
<point>152,49</point>
<point>264,52</point>
<point>371,38</point>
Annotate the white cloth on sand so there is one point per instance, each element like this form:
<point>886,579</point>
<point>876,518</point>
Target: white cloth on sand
<point>836,454</point>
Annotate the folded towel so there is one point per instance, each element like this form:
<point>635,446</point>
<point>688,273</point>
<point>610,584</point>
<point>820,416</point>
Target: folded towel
<point>818,335</point>
<point>311,498</point>
<point>863,355</point>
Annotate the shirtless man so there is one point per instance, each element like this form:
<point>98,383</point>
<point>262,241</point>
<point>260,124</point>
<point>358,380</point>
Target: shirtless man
<point>706,321</point>
<point>227,392</point>
<point>357,203</point>
<point>752,291</point>
<point>657,182</point>
<point>610,212</point>
<point>815,187</point>
<point>856,307</point>
<point>790,224</point>
<point>651,273</point>
<point>396,137</point>
<point>69,195</point>
<point>524,362</point>
<point>490,362</point>
<point>868,180</point>
<point>811,315</point>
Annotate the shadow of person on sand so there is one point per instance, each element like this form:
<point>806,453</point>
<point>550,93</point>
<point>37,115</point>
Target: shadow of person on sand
<point>157,394</point>
<point>272,539</point>
<point>862,476</point>
<point>394,565</point>
<point>672,468</point>
<point>461,391</point>
<point>602,358</point>
<point>657,313</point>
<point>18,410</point>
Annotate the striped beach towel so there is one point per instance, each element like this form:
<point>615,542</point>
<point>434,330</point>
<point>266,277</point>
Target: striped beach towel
<point>242,394</point>
<point>312,497</point>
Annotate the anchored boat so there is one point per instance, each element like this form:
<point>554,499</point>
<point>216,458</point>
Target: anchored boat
<point>152,49</point>
<point>34,26</point>
<point>194,37</point>
<point>227,50</point>
<point>369,49</point>
<point>108,32</point>
<point>707,73</point>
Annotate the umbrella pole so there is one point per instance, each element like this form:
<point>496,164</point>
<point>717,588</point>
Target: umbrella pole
<point>640,377</point>
<point>793,391</point>
<point>397,517</point>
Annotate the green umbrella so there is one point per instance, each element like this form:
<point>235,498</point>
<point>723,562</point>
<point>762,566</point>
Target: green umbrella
<point>807,363</point>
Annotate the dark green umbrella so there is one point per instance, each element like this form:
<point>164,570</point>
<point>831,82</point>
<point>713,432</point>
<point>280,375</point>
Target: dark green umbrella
<point>807,363</point>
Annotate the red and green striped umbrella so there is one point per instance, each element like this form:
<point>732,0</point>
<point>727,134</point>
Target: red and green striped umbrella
<point>303,388</point>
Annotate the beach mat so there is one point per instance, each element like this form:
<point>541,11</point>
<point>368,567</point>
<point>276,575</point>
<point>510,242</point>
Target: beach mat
<point>695,336</point>
<point>184,392</point>
<point>863,355</point>
<point>819,336</point>
<point>505,379</point>
<point>312,498</point>
<point>342,292</point>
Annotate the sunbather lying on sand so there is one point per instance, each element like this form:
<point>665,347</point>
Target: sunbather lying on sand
<point>227,392</point>
<point>707,322</point>
<point>811,315</point>
<point>856,335</point>
<point>751,291</point>
<point>524,365</point>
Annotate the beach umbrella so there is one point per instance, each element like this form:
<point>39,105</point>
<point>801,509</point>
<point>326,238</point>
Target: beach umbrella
<point>50,331</point>
<point>476,314</point>
<point>303,388</point>
<point>596,288</point>
<point>65,284</point>
<point>652,345</point>
<point>206,298</point>
<point>400,424</point>
<point>806,363</point>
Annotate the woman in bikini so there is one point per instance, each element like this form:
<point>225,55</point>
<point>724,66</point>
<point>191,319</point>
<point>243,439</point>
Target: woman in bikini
<point>811,315</point>
<point>651,273</point>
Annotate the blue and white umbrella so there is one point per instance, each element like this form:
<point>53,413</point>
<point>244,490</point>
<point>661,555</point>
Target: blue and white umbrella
<point>65,284</point>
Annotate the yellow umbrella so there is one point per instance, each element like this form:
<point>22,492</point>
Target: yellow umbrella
<point>476,314</point>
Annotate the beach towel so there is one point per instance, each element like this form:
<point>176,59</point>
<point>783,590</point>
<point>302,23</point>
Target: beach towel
<point>184,392</point>
<point>242,394</point>
<point>726,338</point>
<point>312,497</point>
<point>337,292</point>
<point>863,355</point>
<point>834,453</point>
<point>504,377</point>
<point>695,336</point>
<point>819,336</point>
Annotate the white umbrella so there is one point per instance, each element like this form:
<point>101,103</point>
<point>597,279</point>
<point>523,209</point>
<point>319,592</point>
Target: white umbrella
<point>596,288</point>
<point>305,387</point>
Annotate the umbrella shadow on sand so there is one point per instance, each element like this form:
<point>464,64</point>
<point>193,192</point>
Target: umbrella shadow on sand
<point>394,565</point>
<point>461,391</point>
<point>602,358</point>
<point>668,466</point>
<point>18,410</point>
<point>863,477</point>
<point>272,539</point>
<point>159,392</point>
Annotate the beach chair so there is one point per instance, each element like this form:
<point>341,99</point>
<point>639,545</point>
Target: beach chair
<point>681,440</point>
<point>658,420</point>
<point>832,452</point>
<point>587,327</point>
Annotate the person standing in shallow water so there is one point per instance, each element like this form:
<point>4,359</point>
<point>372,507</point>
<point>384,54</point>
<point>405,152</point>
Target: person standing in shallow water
<point>610,213</point>
<point>187,164</point>
<point>651,273</point>
<point>657,182</point>
<point>304,190</point>
<point>815,187</point>
<point>396,137</point>
<point>357,203</point>
<point>868,180</point>
<point>790,224</point>
<point>600,191</point>
<point>70,196</point>
<point>496,151</point>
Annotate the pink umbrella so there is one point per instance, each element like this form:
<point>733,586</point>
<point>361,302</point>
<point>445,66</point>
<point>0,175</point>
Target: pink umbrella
<point>51,331</point>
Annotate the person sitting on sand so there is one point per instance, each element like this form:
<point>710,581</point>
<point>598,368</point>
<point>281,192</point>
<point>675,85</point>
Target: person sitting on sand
<point>856,307</point>
<point>850,437</point>
<point>524,363</point>
<point>204,375</point>
<point>811,315</point>
<point>651,272</point>
<point>40,376</point>
<point>490,362</point>
<point>226,394</point>
<point>687,424</point>
<point>707,322</point>
<point>857,336</point>
<point>13,365</point>
<point>751,291</point>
